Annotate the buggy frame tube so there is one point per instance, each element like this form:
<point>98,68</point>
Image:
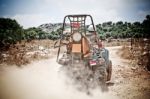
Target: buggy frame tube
<point>61,38</point>
<point>64,22</point>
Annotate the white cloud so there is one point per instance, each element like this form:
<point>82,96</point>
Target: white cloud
<point>142,13</point>
<point>52,11</point>
<point>101,10</point>
<point>110,15</point>
<point>32,20</point>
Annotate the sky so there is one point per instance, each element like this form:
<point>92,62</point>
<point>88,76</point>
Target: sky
<point>32,13</point>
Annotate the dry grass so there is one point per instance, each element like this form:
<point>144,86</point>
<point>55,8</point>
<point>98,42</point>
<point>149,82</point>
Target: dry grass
<point>138,53</point>
<point>25,52</point>
<point>116,42</point>
<point>125,52</point>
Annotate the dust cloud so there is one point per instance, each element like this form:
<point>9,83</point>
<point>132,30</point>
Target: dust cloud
<point>41,80</point>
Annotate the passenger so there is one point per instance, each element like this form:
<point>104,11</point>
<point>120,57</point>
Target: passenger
<point>106,54</point>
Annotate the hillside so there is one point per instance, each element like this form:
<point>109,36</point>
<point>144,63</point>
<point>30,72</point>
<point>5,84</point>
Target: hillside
<point>49,27</point>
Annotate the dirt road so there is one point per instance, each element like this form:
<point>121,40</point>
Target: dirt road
<point>130,82</point>
<point>45,80</point>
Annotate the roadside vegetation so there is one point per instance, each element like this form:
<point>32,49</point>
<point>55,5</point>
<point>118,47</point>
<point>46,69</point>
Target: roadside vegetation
<point>124,29</point>
<point>11,33</point>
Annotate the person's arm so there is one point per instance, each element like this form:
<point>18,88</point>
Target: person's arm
<point>100,44</point>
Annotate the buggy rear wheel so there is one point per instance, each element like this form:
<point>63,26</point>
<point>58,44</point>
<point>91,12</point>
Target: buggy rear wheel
<point>109,71</point>
<point>100,76</point>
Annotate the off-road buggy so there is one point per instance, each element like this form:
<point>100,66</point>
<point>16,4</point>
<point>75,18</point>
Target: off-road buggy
<point>83,46</point>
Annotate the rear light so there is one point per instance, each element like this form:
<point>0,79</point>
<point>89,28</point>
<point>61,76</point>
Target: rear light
<point>93,62</point>
<point>100,61</point>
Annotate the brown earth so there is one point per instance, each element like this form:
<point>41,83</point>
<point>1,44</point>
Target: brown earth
<point>45,79</point>
<point>130,82</point>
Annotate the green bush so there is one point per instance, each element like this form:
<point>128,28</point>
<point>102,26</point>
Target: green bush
<point>10,32</point>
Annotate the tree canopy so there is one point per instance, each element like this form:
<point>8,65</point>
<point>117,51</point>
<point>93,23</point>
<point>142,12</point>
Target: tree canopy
<point>124,29</point>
